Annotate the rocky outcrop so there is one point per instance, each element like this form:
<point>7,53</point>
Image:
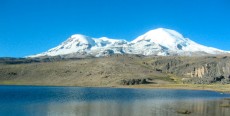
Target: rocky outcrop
<point>202,69</point>
<point>198,72</point>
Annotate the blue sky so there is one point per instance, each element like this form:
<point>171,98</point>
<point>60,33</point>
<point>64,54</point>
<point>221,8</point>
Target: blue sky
<point>33,26</point>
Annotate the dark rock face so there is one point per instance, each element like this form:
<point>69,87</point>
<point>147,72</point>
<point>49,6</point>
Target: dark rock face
<point>135,81</point>
<point>12,73</point>
<point>183,111</point>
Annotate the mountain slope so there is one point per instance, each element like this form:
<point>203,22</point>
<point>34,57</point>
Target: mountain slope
<point>160,42</point>
<point>170,42</point>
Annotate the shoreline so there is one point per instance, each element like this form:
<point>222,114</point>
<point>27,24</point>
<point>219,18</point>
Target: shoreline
<point>215,87</point>
<point>212,87</point>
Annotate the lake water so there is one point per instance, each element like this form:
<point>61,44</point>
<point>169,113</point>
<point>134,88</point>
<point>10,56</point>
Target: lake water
<point>78,101</point>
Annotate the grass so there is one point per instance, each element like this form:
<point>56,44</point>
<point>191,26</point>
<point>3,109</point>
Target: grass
<point>165,78</point>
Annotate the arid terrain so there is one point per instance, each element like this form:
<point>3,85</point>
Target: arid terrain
<point>206,72</point>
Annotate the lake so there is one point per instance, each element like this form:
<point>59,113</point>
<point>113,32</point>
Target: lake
<point>79,101</point>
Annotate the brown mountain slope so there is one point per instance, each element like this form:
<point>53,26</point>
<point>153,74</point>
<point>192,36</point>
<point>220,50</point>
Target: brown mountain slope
<point>116,70</point>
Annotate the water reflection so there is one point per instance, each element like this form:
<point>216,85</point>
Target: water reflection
<point>137,108</point>
<point>58,101</point>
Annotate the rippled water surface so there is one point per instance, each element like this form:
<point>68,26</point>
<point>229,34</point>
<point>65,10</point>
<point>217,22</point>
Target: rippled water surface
<point>77,101</point>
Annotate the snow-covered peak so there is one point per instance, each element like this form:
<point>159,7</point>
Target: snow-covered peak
<point>79,38</point>
<point>160,36</point>
<point>171,32</point>
<point>159,41</point>
<point>172,42</point>
<point>165,37</point>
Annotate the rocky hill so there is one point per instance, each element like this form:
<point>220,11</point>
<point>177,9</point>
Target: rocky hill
<point>198,70</point>
<point>115,70</point>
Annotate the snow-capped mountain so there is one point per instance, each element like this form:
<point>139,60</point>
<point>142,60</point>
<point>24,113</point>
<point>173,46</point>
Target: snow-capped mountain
<point>169,42</point>
<point>81,45</point>
<point>160,41</point>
